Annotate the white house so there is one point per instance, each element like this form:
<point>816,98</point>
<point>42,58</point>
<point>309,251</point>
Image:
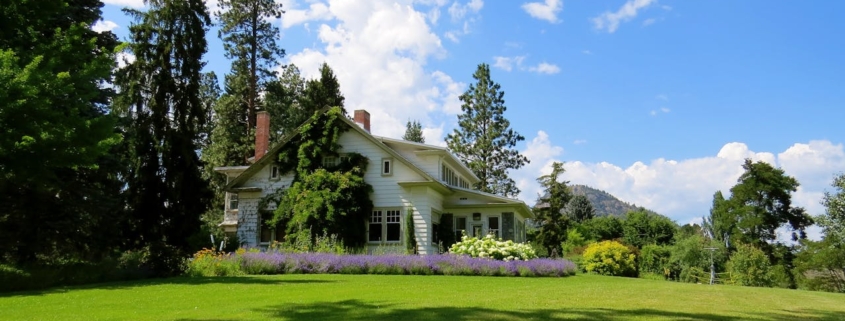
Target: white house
<point>406,176</point>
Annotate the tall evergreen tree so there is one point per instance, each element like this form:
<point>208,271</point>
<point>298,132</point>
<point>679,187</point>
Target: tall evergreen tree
<point>57,184</point>
<point>549,210</point>
<point>580,209</point>
<point>283,101</point>
<point>161,98</point>
<point>323,92</point>
<point>413,132</point>
<point>250,39</point>
<point>484,139</point>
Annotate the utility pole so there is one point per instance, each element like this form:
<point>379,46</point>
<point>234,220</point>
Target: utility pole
<point>712,266</point>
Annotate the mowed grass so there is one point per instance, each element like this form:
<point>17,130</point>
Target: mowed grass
<point>389,297</point>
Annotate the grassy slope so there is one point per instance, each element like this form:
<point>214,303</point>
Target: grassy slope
<point>378,297</point>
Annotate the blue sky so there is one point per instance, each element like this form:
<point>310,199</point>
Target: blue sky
<point>656,102</point>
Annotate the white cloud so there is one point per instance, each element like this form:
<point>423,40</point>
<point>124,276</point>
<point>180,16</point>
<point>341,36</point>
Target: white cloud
<point>126,3</point>
<point>545,68</point>
<point>104,25</point>
<point>683,190</point>
<point>315,12</point>
<point>457,11</point>
<point>124,59</point>
<point>547,10</point>
<point>586,52</point>
<point>542,153</point>
<point>648,22</point>
<point>507,63</point>
<point>662,97</point>
<point>661,110</point>
<point>610,21</point>
<point>579,141</point>
<point>379,51</point>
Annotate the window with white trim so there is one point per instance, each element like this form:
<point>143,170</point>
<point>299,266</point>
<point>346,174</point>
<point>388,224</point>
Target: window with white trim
<point>460,227</point>
<point>493,226</point>
<point>232,203</point>
<point>332,161</point>
<point>448,176</point>
<point>274,172</point>
<point>386,166</point>
<point>385,226</point>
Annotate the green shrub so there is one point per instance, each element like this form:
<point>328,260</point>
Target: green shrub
<point>575,242</point>
<point>749,266</point>
<point>489,247</point>
<point>654,259</point>
<point>610,258</point>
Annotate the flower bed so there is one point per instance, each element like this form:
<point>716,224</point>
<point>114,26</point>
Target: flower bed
<point>284,263</point>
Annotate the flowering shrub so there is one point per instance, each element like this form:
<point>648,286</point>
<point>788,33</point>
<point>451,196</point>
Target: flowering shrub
<point>489,247</point>
<point>209,263</point>
<point>609,258</point>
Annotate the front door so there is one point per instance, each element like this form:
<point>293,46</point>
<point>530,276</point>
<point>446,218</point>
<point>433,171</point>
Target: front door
<point>476,230</point>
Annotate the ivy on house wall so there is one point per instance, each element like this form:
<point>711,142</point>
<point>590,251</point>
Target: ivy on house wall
<point>333,200</point>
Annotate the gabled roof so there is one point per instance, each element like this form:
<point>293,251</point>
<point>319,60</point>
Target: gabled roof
<point>426,149</point>
<point>268,159</point>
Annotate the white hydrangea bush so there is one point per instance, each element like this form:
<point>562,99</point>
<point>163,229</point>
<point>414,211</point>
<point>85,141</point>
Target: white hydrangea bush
<point>490,247</point>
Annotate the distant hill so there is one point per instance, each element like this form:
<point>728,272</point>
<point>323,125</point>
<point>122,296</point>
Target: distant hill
<point>604,203</point>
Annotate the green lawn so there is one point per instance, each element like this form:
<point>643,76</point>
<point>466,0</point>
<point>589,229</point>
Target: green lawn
<point>381,297</point>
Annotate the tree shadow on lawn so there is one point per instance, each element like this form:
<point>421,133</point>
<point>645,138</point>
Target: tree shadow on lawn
<point>180,280</point>
<point>354,310</point>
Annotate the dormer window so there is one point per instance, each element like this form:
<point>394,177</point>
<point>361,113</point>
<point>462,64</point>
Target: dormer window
<point>386,166</point>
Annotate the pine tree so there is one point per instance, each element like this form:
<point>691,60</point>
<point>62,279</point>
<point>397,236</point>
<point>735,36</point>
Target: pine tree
<point>413,132</point>
<point>323,92</point>
<point>484,139</point>
<point>250,39</point>
<point>161,98</point>
<point>283,101</point>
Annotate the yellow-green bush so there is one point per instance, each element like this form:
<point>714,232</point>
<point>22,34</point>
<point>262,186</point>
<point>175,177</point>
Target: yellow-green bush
<point>610,258</point>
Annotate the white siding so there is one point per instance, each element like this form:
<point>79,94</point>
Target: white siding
<point>248,218</point>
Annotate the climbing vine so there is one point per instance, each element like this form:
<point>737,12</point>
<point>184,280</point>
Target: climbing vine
<point>330,200</point>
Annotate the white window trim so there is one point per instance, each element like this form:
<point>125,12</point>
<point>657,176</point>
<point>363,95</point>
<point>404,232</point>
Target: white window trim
<point>275,168</point>
<point>498,230</point>
<point>229,197</point>
<point>389,162</point>
<point>384,224</point>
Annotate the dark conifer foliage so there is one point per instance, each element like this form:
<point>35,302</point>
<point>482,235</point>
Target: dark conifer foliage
<point>162,102</point>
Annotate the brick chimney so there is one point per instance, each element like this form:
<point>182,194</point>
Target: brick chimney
<point>262,134</point>
<point>362,117</point>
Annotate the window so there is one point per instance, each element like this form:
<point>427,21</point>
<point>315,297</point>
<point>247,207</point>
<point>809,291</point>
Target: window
<point>493,226</point>
<point>448,176</point>
<point>332,161</point>
<point>269,233</point>
<point>386,167</point>
<point>274,172</point>
<point>460,227</point>
<point>385,226</point>
<point>233,202</point>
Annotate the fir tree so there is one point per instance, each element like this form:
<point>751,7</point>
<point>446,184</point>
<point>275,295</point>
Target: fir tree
<point>161,99</point>
<point>549,210</point>
<point>413,132</point>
